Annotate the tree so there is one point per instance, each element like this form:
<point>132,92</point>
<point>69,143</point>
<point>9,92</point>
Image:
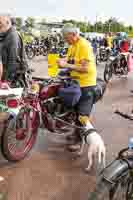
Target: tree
<point>92,28</point>
<point>98,27</point>
<point>130,28</point>
<point>69,21</point>
<point>82,26</point>
<point>19,23</point>
<point>30,22</point>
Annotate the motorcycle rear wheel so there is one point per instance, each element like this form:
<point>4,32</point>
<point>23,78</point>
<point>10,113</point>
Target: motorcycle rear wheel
<point>18,140</point>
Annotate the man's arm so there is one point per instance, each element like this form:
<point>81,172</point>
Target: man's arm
<point>83,68</point>
<point>85,54</point>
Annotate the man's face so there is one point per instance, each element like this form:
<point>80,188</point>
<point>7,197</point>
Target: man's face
<point>70,38</point>
<point>3,23</point>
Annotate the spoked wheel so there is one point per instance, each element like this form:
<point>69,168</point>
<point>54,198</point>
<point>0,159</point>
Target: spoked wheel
<point>30,54</point>
<point>45,53</point>
<point>122,190</point>
<point>19,135</point>
<point>108,72</point>
<point>126,70</point>
<point>129,194</point>
<point>19,83</point>
<point>97,60</point>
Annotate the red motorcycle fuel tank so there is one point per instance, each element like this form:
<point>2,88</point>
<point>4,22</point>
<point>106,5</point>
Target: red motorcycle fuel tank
<point>49,91</point>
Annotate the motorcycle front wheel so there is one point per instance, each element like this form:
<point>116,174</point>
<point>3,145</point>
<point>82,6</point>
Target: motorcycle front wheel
<point>30,54</point>
<point>108,72</point>
<point>19,135</point>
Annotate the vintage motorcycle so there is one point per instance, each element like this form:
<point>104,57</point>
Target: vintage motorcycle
<point>33,50</point>
<point>115,181</point>
<point>102,55</point>
<point>117,65</point>
<point>41,106</point>
<point>29,49</point>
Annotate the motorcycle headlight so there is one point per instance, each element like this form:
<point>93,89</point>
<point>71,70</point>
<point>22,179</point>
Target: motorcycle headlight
<point>35,88</point>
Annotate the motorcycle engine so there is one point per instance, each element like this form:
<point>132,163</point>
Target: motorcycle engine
<point>54,106</point>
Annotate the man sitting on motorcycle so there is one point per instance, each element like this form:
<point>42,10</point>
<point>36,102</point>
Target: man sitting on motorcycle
<point>80,60</point>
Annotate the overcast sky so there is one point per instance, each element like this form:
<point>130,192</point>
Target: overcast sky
<point>79,9</point>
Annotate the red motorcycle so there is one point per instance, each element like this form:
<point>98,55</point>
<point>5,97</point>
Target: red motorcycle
<point>40,106</point>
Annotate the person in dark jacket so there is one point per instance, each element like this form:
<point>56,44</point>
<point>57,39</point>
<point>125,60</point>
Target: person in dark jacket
<point>11,49</point>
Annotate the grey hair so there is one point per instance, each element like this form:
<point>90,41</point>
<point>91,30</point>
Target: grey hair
<point>4,14</point>
<point>70,28</point>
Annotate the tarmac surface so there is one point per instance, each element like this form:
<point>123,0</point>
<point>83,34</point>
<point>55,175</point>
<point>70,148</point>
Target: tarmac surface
<point>50,172</point>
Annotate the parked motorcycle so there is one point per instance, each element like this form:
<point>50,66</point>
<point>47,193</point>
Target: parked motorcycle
<point>117,65</point>
<point>103,54</point>
<point>29,48</point>
<point>41,106</point>
<point>115,181</point>
<point>33,50</point>
<point>40,50</point>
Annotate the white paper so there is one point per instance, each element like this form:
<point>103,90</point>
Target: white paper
<point>15,91</point>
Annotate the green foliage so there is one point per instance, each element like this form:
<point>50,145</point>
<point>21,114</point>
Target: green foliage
<point>26,38</point>
<point>30,22</point>
<point>111,25</point>
<point>19,23</point>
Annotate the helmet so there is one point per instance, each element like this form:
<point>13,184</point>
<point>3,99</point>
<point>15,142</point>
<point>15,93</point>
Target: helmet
<point>35,88</point>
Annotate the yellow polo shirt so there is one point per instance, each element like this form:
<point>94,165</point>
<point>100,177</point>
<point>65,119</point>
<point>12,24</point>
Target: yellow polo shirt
<point>110,41</point>
<point>82,50</point>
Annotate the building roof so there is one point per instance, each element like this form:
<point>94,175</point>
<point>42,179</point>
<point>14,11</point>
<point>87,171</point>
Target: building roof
<point>53,24</point>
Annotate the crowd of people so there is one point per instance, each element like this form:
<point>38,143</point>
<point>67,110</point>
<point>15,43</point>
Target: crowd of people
<point>116,42</point>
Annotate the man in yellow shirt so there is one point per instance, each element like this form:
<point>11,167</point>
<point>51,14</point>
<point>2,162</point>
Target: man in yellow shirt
<point>81,61</point>
<point>109,40</point>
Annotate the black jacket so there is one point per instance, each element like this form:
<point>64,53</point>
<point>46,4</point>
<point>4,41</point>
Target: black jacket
<point>12,51</point>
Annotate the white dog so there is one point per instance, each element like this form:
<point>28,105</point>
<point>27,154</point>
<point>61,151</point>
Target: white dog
<point>96,146</point>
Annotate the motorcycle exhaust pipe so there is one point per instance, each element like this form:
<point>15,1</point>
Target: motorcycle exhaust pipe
<point>115,170</point>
